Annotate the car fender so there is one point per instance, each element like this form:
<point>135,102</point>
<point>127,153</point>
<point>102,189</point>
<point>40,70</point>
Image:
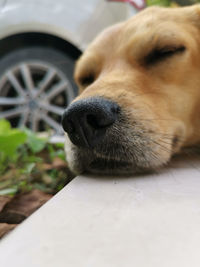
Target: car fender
<point>70,20</point>
<point>19,17</point>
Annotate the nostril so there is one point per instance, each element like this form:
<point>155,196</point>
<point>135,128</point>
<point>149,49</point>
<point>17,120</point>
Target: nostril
<point>101,119</point>
<point>92,120</point>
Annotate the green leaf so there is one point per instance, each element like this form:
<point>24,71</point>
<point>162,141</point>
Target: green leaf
<point>35,143</point>
<point>59,145</point>
<point>4,127</point>
<point>29,167</point>
<point>5,184</point>
<point>158,2</point>
<point>34,159</point>
<point>8,191</point>
<point>10,141</point>
<point>59,153</point>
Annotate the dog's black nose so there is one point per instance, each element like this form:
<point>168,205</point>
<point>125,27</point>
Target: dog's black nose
<point>86,121</point>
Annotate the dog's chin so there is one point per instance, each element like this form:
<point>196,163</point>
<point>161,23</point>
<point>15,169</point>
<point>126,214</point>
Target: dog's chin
<point>98,162</point>
<point>110,167</point>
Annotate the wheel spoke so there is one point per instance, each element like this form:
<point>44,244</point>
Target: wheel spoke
<point>7,101</point>
<point>23,119</point>
<point>52,108</point>
<point>56,89</point>
<point>34,119</point>
<point>15,83</point>
<point>12,112</point>
<point>26,74</point>
<point>52,123</point>
<point>46,80</point>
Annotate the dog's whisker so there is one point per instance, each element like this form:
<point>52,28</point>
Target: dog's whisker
<point>162,146</point>
<point>155,157</point>
<point>164,142</point>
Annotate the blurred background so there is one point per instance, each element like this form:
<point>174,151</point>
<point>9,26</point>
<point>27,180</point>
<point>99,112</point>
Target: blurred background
<point>40,41</point>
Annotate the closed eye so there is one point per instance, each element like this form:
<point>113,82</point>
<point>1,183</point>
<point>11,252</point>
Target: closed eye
<point>160,54</point>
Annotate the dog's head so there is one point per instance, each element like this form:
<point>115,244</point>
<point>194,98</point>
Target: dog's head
<point>139,99</point>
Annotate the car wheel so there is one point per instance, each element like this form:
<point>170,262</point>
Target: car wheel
<point>35,87</point>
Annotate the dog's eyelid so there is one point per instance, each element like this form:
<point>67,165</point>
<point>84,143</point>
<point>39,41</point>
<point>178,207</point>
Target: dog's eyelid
<point>172,49</point>
<point>159,54</point>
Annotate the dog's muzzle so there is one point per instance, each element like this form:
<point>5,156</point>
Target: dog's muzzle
<point>87,120</point>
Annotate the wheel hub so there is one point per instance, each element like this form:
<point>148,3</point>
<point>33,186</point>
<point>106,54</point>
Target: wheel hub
<point>32,104</point>
<point>37,86</point>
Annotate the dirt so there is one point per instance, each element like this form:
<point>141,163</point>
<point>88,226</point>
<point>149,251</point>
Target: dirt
<point>14,210</point>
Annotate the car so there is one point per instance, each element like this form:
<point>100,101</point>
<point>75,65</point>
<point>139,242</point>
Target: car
<point>39,42</point>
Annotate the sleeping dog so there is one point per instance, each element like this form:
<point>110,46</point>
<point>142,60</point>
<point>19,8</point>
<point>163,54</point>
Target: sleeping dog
<point>139,99</point>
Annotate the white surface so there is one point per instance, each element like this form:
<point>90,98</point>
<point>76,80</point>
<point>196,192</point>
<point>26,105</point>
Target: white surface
<point>143,221</point>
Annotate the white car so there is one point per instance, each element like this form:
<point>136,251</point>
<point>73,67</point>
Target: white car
<point>39,43</point>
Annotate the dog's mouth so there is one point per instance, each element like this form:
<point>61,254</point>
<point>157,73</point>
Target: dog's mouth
<point>99,163</point>
<point>124,151</point>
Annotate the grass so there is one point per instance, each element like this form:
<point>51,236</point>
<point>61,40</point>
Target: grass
<point>28,162</point>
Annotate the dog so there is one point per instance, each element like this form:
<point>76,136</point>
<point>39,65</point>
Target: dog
<point>139,100</point>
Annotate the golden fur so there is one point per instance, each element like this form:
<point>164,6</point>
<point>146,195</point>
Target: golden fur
<point>150,66</point>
